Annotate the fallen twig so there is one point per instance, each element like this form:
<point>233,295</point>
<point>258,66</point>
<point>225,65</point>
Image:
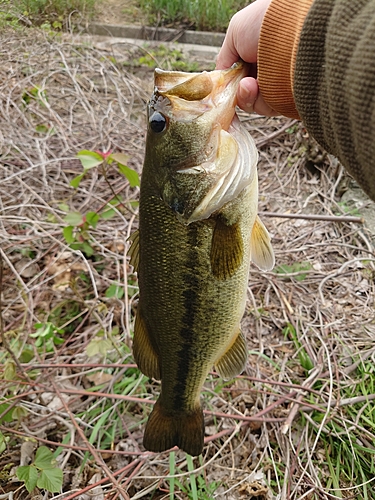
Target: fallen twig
<point>327,218</point>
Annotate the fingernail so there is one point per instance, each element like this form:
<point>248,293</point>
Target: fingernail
<point>244,94</point>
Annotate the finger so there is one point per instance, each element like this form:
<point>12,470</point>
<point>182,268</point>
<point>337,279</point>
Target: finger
<point>250,99</point>
<point>227,55</point>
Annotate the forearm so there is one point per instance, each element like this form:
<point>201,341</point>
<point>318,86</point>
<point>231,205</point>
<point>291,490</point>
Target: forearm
<point>316,61</point>
<point>334,83</point>
<point>277,50</point>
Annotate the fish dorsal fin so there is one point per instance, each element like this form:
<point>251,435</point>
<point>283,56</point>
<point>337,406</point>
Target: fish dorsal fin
<point>144,354</point>
<point>226,249</point>
<point>133,251</point>
<point>234,359</point>
<point>261,249</point>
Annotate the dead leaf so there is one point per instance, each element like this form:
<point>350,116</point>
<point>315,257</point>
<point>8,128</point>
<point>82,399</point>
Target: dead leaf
<point>99,378</point>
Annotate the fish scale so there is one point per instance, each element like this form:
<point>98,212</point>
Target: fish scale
<point>192,253</point>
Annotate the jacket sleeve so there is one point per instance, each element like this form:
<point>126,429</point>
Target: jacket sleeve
<point>277,50</point>
<point>316,62</point>
<point>334,83</point>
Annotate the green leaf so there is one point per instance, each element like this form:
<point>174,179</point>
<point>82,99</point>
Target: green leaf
<point>19,413</point>
<point>92,218</point>
<point>51,480</point>
<point>121,158</point>
<point>9,370</point>
<point>108,214</point>
<point>64,207</point>
<point>89,159</point>
<point>42,330</point>
<point>296,267</point>
<point>115,201</point>
<point>44,458</point>
<point>114,291</point>
<point>26,355</point>
<point>3,442</point>
<point>98,346</point>
<point>68,234</point>
<point>73,218</point>
<point>29,475</point>
<point>8,417</point>
<point>130,174</point>
<point>76,181</point>
<point>42,129</point>
<point>87,249</point>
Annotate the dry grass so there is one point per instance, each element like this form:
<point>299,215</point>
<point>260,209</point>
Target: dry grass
<point>298,424</point>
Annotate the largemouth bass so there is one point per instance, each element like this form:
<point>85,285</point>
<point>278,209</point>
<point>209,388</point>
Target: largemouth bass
<point>198,231</point>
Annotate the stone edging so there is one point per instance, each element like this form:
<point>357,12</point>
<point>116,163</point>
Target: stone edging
<point>160,34</point>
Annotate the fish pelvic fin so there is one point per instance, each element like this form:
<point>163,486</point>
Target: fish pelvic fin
<point>233,361</point>
<point>261,249</point>
<point>185,430</point>
<point>134,250</point>
<point>143,351</point>
<point>227,250</point>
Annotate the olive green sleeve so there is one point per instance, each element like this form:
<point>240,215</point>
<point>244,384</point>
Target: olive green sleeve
<point>334,83</point>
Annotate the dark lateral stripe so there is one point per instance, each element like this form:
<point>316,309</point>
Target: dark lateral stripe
<point>191,304</point>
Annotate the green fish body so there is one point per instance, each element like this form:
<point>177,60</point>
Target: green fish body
<point>198,231</point>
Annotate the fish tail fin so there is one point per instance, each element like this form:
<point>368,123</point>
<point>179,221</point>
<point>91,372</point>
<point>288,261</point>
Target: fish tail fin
<point>185,430</point>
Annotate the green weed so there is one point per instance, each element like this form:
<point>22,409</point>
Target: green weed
<point>77,231</point>
<point>165,57</point>
<point>297,269</point>
<point>194,486</point>
<point>42,473</point>
<point>305,361</point>
<point>50,14</point>
<point>199,14</point>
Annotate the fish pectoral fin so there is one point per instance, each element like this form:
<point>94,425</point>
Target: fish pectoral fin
<point>261,249</point>
<point>227,249</point>
<point>144,354</point>
<point>185,430</point>
<point>134,250</point>
<point>233,361</point>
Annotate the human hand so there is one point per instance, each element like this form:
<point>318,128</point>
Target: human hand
<point>241,42</point>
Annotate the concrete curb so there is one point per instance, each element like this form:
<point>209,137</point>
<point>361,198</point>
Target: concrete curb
<point>157,34</point>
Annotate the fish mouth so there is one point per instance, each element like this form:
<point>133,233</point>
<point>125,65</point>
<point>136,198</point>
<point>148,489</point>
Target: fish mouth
<point>192,94</point>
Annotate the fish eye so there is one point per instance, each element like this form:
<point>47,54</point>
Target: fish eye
<point>158,122</point>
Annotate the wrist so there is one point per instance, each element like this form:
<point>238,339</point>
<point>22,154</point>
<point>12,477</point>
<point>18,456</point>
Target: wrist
<point>277,50</point>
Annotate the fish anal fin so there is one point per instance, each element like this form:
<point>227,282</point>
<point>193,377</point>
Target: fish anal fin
<point>233,361</point>
<point>144,354</point>
<point>164,431</point>
<point>134,250</point>
<point>227,249</point>
<point>261,249</point>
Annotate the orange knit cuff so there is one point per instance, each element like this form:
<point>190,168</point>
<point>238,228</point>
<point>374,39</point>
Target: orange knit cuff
<point>277,51</point>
